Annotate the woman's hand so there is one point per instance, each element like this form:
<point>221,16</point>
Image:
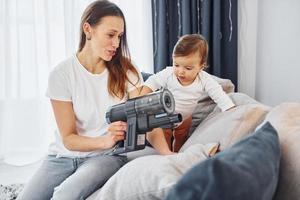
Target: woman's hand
<point>115,133</point>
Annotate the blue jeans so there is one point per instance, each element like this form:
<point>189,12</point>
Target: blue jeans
<point>70,178</point>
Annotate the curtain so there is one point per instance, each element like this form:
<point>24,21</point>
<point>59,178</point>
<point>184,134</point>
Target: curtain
<point>216,20</point>
<point>35,36</point>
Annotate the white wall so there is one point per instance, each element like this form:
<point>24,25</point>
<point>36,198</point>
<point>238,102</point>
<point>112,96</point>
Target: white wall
<point>269,50</point>
<point>247,23</point>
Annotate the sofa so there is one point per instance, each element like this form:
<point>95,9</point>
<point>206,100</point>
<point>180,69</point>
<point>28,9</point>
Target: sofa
<point>258,156</point>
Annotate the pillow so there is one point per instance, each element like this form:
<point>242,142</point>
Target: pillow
<point>144,152</point>
<point>145,75</point>
<point>230,126</point>
<point>151,177</point>
<point>248,170</point>
<point>206,105</point>
<point>286,119</point>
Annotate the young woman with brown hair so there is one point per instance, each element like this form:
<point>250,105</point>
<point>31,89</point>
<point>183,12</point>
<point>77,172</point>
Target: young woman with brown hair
<point>81,88</point>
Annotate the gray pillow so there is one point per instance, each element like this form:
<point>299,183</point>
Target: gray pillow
<point>248,170</point>
<point>151,177</point>
<point>206,105</point>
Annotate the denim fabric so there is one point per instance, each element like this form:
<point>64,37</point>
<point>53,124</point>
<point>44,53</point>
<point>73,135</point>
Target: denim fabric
<point>248,170</point>
<point>70,178</point>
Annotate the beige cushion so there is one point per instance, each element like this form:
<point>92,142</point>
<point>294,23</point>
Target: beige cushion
<point>144,152</point>
<point>151,177</point>
<point>285,118</point>
<point>130,156</point>
<point>230,126</point>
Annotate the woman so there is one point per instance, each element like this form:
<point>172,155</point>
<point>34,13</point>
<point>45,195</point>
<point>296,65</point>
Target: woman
<point>81,89</point>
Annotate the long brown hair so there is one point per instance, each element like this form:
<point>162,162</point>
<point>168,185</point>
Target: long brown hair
<point>192,43</point>
<point>120,64</point>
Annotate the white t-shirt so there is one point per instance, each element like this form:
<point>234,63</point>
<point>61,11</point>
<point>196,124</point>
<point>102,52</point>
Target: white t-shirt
<point>70,81</point>
<point>187,97</point>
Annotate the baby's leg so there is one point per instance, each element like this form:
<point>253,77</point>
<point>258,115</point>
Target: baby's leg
<point>169,137</point>
<point>181,133</point>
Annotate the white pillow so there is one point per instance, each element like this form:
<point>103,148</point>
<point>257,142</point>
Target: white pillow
<point>151,177</point>
<point>230,126</point>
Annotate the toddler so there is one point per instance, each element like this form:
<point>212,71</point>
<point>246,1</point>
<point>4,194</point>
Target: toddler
<point>188,82</point>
